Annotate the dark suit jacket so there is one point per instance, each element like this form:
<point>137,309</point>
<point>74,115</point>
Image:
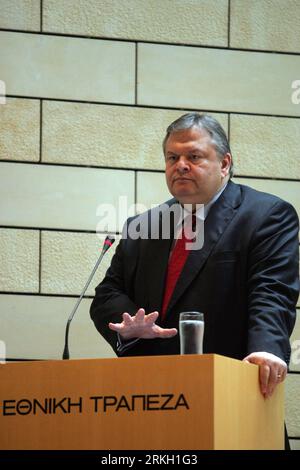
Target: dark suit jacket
<point>244,279</point>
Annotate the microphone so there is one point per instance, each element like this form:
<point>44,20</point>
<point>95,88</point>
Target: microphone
<point>109,240</point>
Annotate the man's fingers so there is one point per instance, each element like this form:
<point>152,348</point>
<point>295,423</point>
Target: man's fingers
<point>127,319</point>
<point>275,377</point>
<point>282,375</point>
<point>264,374</point>
<point>167,332</point>
<point>115,326</point>
<point>272,370</point>
<point>140,315</point>
<point>141,326</point>
<point>151,317</point>
<point>118,327</point>
<point>273,381</point>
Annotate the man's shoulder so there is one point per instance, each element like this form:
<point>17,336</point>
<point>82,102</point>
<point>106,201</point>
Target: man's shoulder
<point>254,196</point>
<point>261,205</point>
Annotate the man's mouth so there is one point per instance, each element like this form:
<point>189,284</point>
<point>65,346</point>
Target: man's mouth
<point>182,179</point>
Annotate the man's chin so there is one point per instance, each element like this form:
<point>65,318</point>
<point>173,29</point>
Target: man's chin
<point>184,197</point>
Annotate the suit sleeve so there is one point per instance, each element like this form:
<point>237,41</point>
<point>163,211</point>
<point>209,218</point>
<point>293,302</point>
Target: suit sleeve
<point>273,281</point>
<point>112,299</point>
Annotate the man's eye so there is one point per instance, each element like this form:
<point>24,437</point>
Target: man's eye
<point>171,158</point>
<point>195,158</point>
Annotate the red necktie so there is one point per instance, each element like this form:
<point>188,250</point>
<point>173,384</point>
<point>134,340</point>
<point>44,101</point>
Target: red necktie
<point>176,263</point>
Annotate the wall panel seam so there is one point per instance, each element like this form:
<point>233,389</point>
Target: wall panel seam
<point>135,187</point>
<point>74,36</point>
<point>228,24</point>
<point>40,261</point>
<point>41,130</point>
<point>146,106</point>
<point>134,169</point>
<point>143,41</point>
<point>59,230</point>
<point>41,15</point>
<point>136,76</point>
<point>41,294</point>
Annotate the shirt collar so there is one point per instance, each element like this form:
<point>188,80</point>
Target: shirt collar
<point>203,209</point>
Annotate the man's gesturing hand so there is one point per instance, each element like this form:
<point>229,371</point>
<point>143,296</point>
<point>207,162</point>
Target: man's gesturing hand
<point>141,326</point>
<point>272,370</point>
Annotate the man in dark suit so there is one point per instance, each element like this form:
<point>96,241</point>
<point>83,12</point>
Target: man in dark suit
<point>244,278</point>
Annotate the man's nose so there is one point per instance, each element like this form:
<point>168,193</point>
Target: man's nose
<point>183,165</point>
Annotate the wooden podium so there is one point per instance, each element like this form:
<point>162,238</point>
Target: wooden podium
<point>140,403</point>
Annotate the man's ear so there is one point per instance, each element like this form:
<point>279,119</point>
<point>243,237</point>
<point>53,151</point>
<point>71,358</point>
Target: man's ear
<point>225,164</point>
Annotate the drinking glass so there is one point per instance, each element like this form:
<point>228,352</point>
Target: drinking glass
<point>191,330</point>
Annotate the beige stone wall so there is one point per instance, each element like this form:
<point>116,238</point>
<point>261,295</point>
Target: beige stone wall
<point>91,86</point>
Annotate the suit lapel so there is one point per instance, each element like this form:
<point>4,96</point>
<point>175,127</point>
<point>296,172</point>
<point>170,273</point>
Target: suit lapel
<point>216,222</point>
<point>155,255</point>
